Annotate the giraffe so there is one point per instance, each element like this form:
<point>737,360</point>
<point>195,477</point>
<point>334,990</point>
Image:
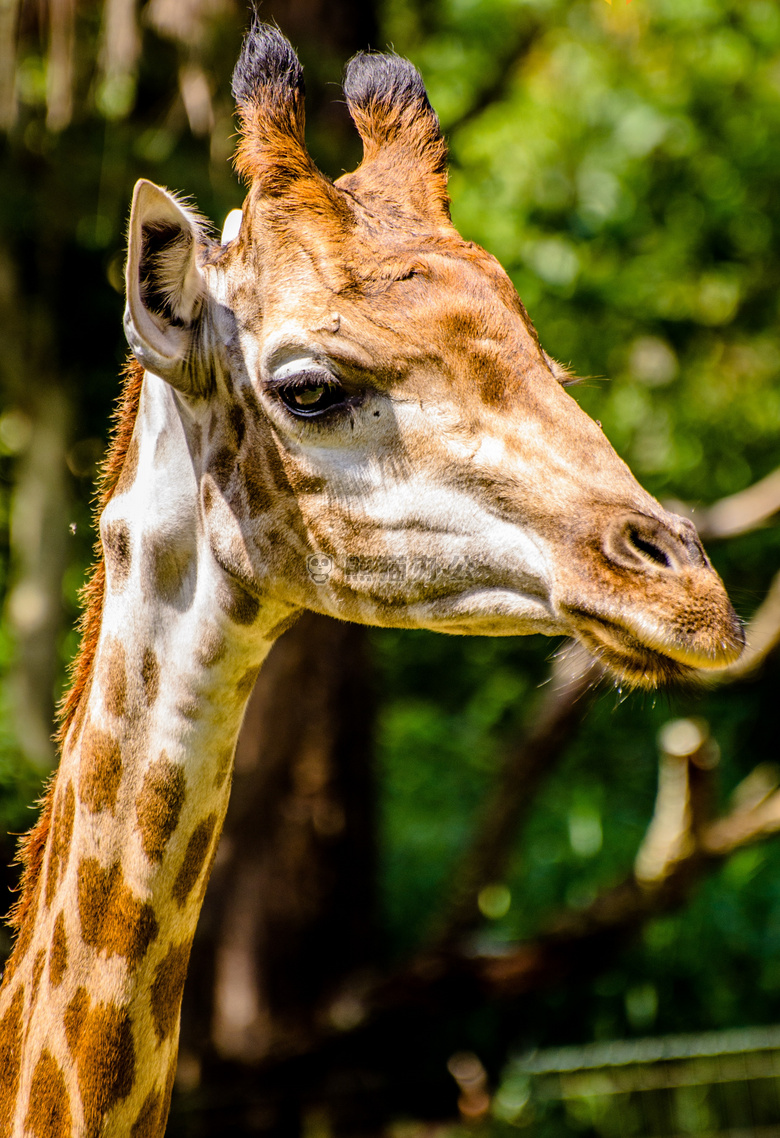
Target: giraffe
<point>343,407</point>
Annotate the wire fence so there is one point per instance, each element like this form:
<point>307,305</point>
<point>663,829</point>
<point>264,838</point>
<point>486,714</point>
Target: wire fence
<point>715,1085</point>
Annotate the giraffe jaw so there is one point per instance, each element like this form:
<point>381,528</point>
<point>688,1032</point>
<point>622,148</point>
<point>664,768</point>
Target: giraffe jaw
<point>639,657</point>
<point>644,655</point>
<point>493,612</point>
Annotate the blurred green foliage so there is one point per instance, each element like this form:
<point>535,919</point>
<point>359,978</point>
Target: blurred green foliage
<point>623,163</point>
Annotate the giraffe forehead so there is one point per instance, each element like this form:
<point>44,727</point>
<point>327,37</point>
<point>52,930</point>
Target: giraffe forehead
<point>409,337</point>
<point>385,305</point>
<point>376,280</point>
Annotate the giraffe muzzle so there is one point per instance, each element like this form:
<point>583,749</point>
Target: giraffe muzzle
<point>663,614</point>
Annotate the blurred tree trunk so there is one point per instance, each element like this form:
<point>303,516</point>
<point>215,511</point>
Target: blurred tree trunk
<point>39,558</point>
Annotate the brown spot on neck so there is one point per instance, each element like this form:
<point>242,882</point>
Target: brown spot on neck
<point>113,919</point>
<point>167,988</point>
<point>48,1112</point>
<point>224,766</point>
<point>194,858</point>
<point>58,957</point>
<point>100,1038</point>
<point>159,804</point>
<point>118,550</point>
<point>10,1060</point>
<point>283,626</point>
<point>206,876</point>
<point>114,679</point>
<point>150,676</point>
<point>100,769</point>
<point>237,602</point>
<point>168,1092</point>
<point>75,1016</point>
<point>61,836</point>
<point>169,569</point>
<point>208,498</point>
<point>211,649</point>
<point>246,682</point>
<point>37,972</point>
<point>149,1123</point>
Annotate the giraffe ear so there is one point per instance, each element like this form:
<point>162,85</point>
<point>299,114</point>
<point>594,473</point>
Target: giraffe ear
<point>165,288</point>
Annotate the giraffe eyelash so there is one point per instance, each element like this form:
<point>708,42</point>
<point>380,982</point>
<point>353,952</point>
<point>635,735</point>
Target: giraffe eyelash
<point>310,394</point>
<point>306,377</point>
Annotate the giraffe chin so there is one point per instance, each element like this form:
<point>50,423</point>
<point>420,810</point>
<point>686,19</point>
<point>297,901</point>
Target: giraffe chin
<point>650,663</point>
<point>636,665</point>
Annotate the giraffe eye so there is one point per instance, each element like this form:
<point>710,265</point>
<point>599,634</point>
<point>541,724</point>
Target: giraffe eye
<point>312,397</point>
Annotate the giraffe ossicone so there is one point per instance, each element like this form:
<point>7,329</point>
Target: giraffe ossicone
<point>343,407</point>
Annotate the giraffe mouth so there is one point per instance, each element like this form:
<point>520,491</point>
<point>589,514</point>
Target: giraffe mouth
<point>630,661</point>
<point>647,658</point>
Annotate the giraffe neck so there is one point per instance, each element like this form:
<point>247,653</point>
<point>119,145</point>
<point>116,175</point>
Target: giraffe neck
<point>89,1009</point>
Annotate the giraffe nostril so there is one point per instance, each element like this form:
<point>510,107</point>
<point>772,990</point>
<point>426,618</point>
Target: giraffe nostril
<point>639,542</point>
<point>647,548</point>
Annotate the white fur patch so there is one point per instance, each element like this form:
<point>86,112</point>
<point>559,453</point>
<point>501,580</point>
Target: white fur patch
<point>232,226</point>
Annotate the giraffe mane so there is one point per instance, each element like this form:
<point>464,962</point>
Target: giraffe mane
<point>33,843</point>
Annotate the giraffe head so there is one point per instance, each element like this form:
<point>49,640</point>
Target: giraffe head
<point>381,436</point>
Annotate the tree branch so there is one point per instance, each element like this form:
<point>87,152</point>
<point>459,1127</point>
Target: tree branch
<point>505,70</point>
<point>681,841</point>
<point>570,945</point>
<point>762,635</point>
<point>740,513</point>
